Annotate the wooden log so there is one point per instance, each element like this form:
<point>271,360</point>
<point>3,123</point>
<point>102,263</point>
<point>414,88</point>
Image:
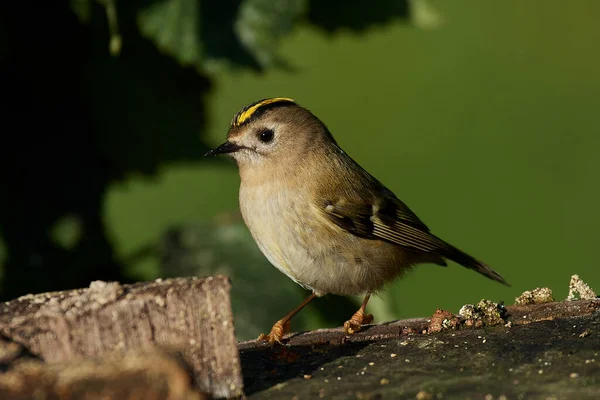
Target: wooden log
<point>514,315</point>
<point>190,314</point>
<point>537,351</point>
<point>148,375</point>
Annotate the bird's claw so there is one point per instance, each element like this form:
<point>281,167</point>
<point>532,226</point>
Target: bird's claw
<point>278,330</point>
<point>359,319</point>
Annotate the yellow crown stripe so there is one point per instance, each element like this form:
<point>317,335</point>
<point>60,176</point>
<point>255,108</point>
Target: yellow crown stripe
<point>247,114</point>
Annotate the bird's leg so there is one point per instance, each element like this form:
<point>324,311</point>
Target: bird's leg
<point>283,326</point>
<point>359,318</point>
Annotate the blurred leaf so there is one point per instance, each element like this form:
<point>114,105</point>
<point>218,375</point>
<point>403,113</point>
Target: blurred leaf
<point>194,32</point>
<point>262,23</point>
<point>211,34</point>
<point>222,45</point>
<point>173,25</point>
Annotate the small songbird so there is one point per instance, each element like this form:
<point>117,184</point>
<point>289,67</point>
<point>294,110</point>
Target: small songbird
<point>318,216</point>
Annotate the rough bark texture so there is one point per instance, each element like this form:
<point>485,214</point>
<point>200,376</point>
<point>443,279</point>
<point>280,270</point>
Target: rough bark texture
<point>189,314</point>
<point>539,351</point>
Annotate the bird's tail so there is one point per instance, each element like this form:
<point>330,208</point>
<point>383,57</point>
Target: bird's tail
<point>458,256</point>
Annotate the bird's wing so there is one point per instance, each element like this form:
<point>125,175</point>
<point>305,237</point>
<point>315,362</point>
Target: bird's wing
<point>384,217</point>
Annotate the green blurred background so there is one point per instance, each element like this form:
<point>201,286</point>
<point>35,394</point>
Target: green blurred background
<point>482,117</point>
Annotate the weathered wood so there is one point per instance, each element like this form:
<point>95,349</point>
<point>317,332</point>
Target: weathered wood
<point>190,314</point>
<point>150,375</point>
<point>548,350</point>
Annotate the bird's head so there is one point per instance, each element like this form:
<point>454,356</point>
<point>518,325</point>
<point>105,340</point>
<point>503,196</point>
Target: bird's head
<point>273,133</point>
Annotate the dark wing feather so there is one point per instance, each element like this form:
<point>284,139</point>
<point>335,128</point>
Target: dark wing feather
<point>387,218</point>
<point>394,208</point>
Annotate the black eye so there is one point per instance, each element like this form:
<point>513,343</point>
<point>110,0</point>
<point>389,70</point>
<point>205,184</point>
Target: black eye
<point>266,136</point>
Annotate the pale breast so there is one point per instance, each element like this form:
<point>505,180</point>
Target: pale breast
<point>273,218</point>
<point>296,238</point>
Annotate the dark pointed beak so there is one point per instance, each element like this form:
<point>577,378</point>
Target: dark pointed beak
<point>225,148</point>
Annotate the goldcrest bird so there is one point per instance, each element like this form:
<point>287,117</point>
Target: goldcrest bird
<point>318,216</point>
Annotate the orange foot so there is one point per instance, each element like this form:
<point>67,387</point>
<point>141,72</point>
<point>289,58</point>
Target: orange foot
<point>358,319</point>
<point>278,330</point>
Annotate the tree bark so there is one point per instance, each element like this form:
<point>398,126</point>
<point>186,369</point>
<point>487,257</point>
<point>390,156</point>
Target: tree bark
<point>190,315</point>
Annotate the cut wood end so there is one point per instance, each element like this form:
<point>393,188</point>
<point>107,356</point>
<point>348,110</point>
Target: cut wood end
<point>190,314</point>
